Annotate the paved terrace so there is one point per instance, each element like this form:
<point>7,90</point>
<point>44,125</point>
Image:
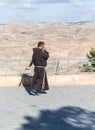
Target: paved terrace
<point>63,108</point>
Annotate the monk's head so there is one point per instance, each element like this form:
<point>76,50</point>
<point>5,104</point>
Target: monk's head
<point>41,45</point>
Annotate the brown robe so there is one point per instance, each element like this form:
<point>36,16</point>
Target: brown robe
<point>39,58</point>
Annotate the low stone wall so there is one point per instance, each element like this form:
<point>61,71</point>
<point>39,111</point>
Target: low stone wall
<point>57,80</point>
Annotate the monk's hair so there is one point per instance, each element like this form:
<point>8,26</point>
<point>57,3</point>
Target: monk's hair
<point>40,44</point>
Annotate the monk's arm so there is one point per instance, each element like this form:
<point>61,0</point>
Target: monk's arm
<point>31,61</point>
<point>44,54</point>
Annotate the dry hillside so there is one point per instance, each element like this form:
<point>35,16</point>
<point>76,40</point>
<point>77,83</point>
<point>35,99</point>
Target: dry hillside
<point>63,41</point>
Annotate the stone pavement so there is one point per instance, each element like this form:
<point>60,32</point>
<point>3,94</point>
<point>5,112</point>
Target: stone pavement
<point>68,107</point>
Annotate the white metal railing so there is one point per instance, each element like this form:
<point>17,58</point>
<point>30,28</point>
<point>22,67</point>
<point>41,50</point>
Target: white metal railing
<point>55,66</point>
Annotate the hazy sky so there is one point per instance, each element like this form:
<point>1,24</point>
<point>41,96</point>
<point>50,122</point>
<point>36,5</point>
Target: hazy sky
<point>20,11</point>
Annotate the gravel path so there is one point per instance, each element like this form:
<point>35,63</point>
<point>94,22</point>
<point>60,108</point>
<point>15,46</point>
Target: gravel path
<point>69,107</point>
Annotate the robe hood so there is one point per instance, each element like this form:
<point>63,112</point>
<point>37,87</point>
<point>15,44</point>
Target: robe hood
<point>35,50</point>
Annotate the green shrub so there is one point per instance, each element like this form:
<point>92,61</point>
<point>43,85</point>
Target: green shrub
<point>91,66</point>
<point>91,57</point>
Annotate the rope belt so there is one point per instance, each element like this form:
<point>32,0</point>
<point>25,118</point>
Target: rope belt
<point>40,67</point>
<point>43,84</point>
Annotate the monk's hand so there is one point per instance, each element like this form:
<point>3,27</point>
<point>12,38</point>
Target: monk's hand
<point>44,49</point>
<point>27,68</point>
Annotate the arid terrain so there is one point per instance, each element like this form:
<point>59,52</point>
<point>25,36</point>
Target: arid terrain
<point>62,41</point>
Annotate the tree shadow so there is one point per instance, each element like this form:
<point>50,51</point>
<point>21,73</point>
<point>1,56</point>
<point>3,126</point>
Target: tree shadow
<point>26,81</point>
<point>66,118</point>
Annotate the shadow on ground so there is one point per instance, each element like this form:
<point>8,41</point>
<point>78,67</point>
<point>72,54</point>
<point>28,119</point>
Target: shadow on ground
<point>66,118</point>
<point>26,81</point>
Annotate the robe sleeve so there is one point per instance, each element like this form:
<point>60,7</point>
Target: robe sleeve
<point>32,60</point>
<point>44,54</point>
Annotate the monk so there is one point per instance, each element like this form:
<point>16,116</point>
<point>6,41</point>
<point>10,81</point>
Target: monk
<point>39,59</point>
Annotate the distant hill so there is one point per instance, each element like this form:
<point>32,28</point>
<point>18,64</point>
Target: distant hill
<point>62,40</point>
